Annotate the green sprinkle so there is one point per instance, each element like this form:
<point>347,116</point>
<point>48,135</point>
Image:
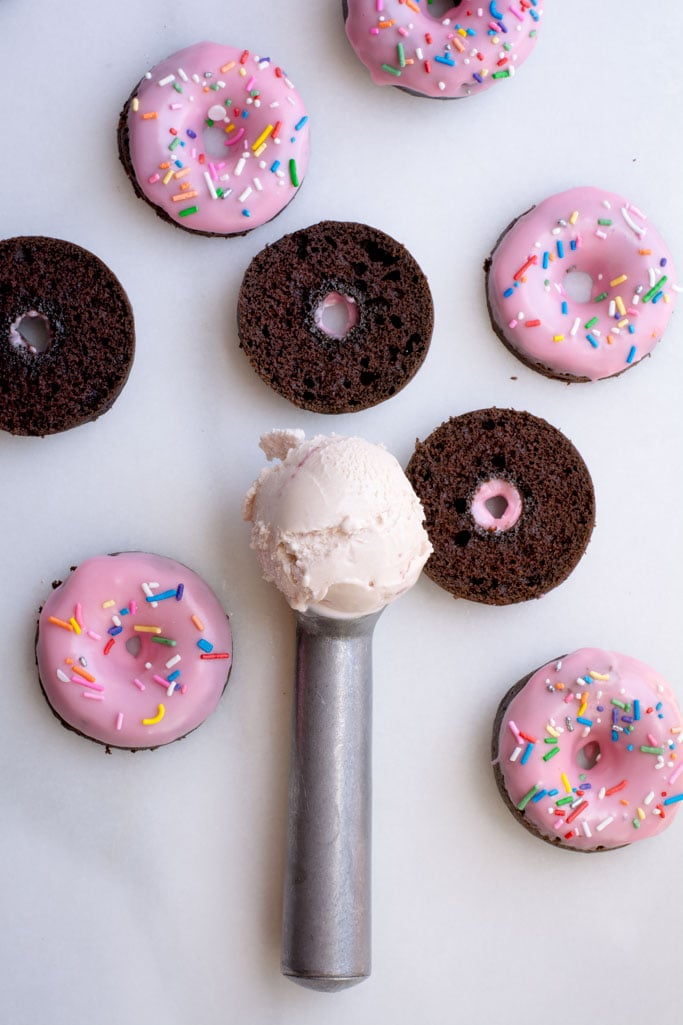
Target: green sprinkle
<point>294,177</point>
<point>527,797</point>
<point>178,88</point>
<point>188,211</point>
<point>401,55</point>
<point>569,799</point>
<point>550,740</point>
<point>174,143</point>
<point>655,288</point>
<point>164,640</point>
<point>215,86</point>
<point>605,220</point>
<point>392,71</point>
<point>501,74</point>
<point>636,823</point>
<point>646,749</point>
<point>549,755</point>
<point>620,704</point>
<point>591,323</point>
<point>599,298</point>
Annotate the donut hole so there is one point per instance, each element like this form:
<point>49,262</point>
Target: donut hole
<point>588,756</point>
<point>134,645</point>
<point>32,331</point>
<point>578,285</point>
<point>496,505</point>
<point>214,141</point>
<point>440,8</point>
<point>336,314</point>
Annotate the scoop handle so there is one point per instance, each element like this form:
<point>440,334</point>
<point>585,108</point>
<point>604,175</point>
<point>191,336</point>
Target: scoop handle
<point>326,923</point>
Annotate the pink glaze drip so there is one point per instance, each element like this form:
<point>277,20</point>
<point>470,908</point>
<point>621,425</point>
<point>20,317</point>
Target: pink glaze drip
<point>599,234</point>
<point>496,490</point>
<point>121,668</point>
<point>466,51</point>
<point>257,115</point>
<point>591,703</point>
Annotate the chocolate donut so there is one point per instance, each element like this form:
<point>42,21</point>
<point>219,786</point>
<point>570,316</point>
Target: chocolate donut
<point>87,343</point>
<point>509,505</point>
<point>384,311</point>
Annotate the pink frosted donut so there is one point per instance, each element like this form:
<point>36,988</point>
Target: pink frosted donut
<point>580,287</point>
<point>586,751</point>
<point>133,650</point>
<point>465,51</point>
<point>215,139</point>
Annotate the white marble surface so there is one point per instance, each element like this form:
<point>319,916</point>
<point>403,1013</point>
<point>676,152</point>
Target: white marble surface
<point>147,888</point>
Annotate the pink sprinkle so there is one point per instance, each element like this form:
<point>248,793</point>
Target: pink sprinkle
<point>138,683</point>
<point>132,607</point>
<point>87,683</point>
<point>119,720</point>
<point>515,731</point>
<point>403,31</point>
<point>161,681</point>
<point>374,31</point>
<point>153,178</point>
<point>379,5</point>
<point>93,697</point>
<point>569,697</point>
<point>78,614</point>
<point>676,773</point>
<point>235,138</point>
<point>516,13</point>
<point>250,84</point>
<point>652,740</point>
<point>94,636</point>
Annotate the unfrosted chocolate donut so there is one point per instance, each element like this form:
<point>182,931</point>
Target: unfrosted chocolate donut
<point>384,311</point>
<point>509,505</point>
<point>88,336</point>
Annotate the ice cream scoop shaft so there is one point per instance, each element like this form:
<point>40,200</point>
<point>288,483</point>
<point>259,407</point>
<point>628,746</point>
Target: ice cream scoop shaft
<point>326,926</point>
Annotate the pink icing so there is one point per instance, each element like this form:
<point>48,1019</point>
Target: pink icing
<point>488,494</point>
<point>592,703</point>
<point>603,236</point>
<point>257,151</point>
<point>465,51</point>
<point>111,680</point>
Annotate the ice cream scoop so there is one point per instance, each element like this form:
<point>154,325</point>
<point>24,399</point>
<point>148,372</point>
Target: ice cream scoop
<point>338,528</point>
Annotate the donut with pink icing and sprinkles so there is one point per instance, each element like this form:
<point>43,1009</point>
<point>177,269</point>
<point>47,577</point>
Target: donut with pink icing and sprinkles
<point>215,139</point>
<point>465,51</point>
<point>581,287</point>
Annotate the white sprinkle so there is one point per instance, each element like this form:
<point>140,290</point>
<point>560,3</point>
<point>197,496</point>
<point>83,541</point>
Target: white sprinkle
<point>605,822</point>
<point>586,828</point>
<point>640,231</point>
<point>649,798</point>
<point>210,185</point>
<point>173,661</point>
<point>61,675</point>
<point>515,754</point>
<point>601,793</point>
<point>167,80</point>
<point>245,195</point>
<point>575,326</point>
<point>240,166</point>
<point>181,74</point>
<point>257,185</point>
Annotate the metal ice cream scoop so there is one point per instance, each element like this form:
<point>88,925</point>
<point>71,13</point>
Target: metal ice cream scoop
<point>326,925</point>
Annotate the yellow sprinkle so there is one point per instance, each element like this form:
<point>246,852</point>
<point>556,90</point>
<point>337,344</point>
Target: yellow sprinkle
<point>552,731</point>
<point>262,137</point>
<point>108,604</point>
<point>161,712</point>
<point>229,128</point>
<point>567,785</point>
<point>60,622</point>
<point>148,629</point>
<point>197,622</point>
<point>167,177</point>
<point>135,104</point>
<point>598,676</point>
<point>75,626</point>
<point>558,338</point>
<point>619,303</point>
<point>640,813</point>
<point>461,31</point>
<point>574,217</point>
<point>584,702</point>
<point>618,281</point>
<point>623,322</point>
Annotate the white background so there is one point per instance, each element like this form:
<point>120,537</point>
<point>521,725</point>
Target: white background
<point>147,887</point>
